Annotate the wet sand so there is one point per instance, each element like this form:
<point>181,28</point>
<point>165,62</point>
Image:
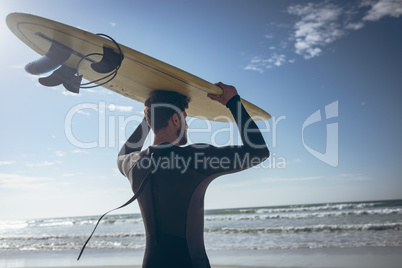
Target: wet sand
<point>367,257</point>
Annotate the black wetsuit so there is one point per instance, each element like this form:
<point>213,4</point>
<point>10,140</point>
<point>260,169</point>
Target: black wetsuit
<point>172,199</point>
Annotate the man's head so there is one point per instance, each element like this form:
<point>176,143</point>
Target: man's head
<point>165,112</point>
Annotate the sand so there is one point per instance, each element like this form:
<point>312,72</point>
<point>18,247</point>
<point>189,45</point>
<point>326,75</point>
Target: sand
<point>136,266</point>
<point>367,257</point>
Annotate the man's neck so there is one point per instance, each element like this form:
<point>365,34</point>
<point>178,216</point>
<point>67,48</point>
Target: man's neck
<point>163,138</point>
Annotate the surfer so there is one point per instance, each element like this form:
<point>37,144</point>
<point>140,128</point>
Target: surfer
<point>170,179</point>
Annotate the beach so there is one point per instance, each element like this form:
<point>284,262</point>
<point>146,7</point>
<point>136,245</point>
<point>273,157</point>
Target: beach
<point>367,257</point>
<point>334,235</point>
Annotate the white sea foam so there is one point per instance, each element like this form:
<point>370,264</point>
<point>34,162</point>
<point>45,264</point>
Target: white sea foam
<point>304,214</point>
<point>10,224</point>
<point>311,228</point>
<point>304,226</point>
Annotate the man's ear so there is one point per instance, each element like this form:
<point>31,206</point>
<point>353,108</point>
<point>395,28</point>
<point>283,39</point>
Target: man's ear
<point>176,120</point>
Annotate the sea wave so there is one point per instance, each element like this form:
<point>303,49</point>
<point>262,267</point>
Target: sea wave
<point>68,222</point>
<point>322,207</point>
<point>321,225</point>
<point>12,224</point>
<point>250,243</point>
<point>309,229</point>
<point>71,245</point>
<point>305,245</point>
<point>305,215</point>
<point>67,241</point>
<point>261,213</point>
<point>69,237</point>
<point>295,208</point>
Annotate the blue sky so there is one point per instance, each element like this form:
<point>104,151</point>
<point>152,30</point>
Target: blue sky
<point>329,72</point>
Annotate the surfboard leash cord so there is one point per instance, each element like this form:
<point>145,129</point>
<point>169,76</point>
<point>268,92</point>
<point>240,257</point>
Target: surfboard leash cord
<point>115,69</point>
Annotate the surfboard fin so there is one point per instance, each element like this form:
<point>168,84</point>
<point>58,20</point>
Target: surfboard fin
<point>73,85</point>
<point>57,55</point>
<point>111,61</point>
<point>64,75</point>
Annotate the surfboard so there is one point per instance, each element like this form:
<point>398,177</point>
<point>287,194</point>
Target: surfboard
<point>131,73</point>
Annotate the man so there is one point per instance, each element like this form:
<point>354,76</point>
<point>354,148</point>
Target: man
<point>170,181</point>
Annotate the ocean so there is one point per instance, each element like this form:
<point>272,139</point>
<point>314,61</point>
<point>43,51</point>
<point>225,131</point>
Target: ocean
<point>260,229</point>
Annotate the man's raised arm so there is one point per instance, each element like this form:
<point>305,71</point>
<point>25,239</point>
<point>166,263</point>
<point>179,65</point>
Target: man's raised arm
<point>132,145</point>
<point>254,146</point>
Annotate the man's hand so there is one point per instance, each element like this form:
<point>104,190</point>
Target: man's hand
<point>228,93</point>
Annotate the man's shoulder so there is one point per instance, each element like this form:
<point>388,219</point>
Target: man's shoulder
<point>196,147</point>
<point>127,161</point>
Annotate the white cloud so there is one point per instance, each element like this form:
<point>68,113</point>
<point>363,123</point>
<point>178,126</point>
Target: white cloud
<point>67,93</point>
<point>43,164</point>
<point>383,8</point>
<point>277,60</point>
<point>354,177</point>
<point>59,88</point>
<point>113,24</point>
<point>256,64</point>
<point>318,27</point>
<point>253,67</point>
<point>89,90</point>
<point>6,163</point>
<point>84,29</point>
<point>84,109</point>
<point>20,182</point>
<point>18,66</point>
<point>83,113</point>
<point>354,26</point>
<point>260,63</point>
<point>319,24</point>
<point>60,153</point>
<point>124,108</point>
<point>77,151</point>
<point>120,108</point>
<point>68,174</point>
<point>97,90</point>
<point>322,23</point>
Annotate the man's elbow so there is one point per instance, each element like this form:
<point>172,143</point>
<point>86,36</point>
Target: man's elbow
<point>267,152</point>
<point>264,153</point>
<point>261,150</point>
<point>259,156</point>
<point>120,165</point>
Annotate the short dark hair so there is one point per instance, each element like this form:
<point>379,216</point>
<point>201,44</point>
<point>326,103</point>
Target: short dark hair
<point>163,104</point>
